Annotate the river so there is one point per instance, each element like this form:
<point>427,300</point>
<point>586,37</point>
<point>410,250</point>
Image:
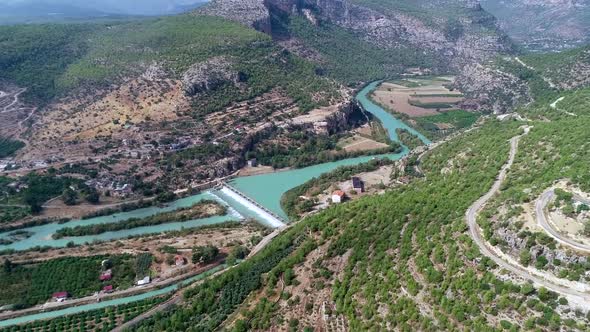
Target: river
<point>107,303</point>
<point>266,189</point>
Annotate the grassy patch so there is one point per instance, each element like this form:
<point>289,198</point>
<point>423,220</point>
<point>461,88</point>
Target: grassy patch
<point>408,139</point>
<point>9,146</point>
<point>458,119</point>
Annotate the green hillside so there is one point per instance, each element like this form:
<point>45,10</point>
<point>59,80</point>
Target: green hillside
<point>559,67</point>
<point>410,262</point>
<point>53,60</point>
<point>346,56</point>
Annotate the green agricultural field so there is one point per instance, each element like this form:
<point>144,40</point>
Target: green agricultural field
<point>28,285</point>
<point>9,146</point>
<point>458,119</point>
<point>430,105</point>
<point>105,319</point>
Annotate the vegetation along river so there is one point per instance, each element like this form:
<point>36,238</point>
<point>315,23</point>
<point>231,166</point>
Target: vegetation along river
<point>266,189</point>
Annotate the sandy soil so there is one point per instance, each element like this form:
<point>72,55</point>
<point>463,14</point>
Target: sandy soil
<point>248,171</point>
<point>528,215</point>
<point>316,115</point>
<point>360,143</point>
<point>565,224</point>
<point>571,227</point>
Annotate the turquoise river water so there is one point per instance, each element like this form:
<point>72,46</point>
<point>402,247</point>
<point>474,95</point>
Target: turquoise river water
<point>266,189</point>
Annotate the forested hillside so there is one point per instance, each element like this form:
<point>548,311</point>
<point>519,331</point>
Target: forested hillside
<point>408,262</point>
<point>510,82</point>
<point>351,38</point>
<point>347,57</point>
<point>55,60</point>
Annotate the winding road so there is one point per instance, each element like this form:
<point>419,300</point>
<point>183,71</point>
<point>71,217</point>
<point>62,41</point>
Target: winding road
<point>543,221</point>
<point>576,292</point>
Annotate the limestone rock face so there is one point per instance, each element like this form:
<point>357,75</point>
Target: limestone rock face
<point>491,89</point>
<point>386,29</point>
<point>209,75</point>
<point>248,12</point>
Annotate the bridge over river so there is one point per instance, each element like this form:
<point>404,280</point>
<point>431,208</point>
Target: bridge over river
<point>253,196</point>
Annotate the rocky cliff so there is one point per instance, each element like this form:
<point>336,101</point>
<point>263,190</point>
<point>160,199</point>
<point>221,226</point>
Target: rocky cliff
<point>208,75</point>
<point>248,12</point>
<point>462,31</point>
<point>543,25</point>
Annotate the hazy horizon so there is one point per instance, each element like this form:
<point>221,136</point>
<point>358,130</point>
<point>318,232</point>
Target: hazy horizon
<point>120,7</point>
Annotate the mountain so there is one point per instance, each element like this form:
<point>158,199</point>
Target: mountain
<point>543,25</point>
<point>411,258</point>
<point>43,11</point>
<point>210,86</point>
<point>443,35</point>
<point>511,82</point>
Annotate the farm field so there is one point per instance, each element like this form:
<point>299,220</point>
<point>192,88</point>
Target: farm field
<point>417,97</point>
<point>427,104</point>
<point>442,124</point>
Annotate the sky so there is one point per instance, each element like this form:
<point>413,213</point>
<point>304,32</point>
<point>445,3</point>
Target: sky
<point>132,7</point>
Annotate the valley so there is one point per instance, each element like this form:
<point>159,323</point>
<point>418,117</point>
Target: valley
<point>297,166</point>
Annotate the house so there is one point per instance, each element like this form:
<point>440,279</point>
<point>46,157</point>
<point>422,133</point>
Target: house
<point>123,191</point>
<point>60,296</point>
<point>338,196</point>
<point>252,162</point>
<point>358,184</point>
<point>107,289</point>
<point>106,275</point>
<point>179,260</point>
<point>144,281</point>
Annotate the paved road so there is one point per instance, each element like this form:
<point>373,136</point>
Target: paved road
<point>540,205</point>
<point>576,292</point>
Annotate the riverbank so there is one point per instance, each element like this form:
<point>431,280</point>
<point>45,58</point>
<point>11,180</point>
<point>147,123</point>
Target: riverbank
<point>99,297</point>
<point>265,189</point>
<point>112,302</point>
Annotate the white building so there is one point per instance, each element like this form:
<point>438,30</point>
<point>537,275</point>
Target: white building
<point>338,196</point>
<point>144,281</point>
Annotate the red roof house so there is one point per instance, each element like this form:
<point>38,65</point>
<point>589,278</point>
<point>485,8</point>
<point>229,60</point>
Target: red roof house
<point>60,296</point>
<point>338,196</point>
<point>107,289</point>
<point>106,275</point>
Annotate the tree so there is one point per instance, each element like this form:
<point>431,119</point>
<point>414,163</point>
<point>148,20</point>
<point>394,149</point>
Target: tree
<point>204,254</point>
<point>527,289</point>
<point>525,257</point>
<point>92,196</point>
<point>541,262</point>
<point>69,196</point>
<point>7,265</point>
